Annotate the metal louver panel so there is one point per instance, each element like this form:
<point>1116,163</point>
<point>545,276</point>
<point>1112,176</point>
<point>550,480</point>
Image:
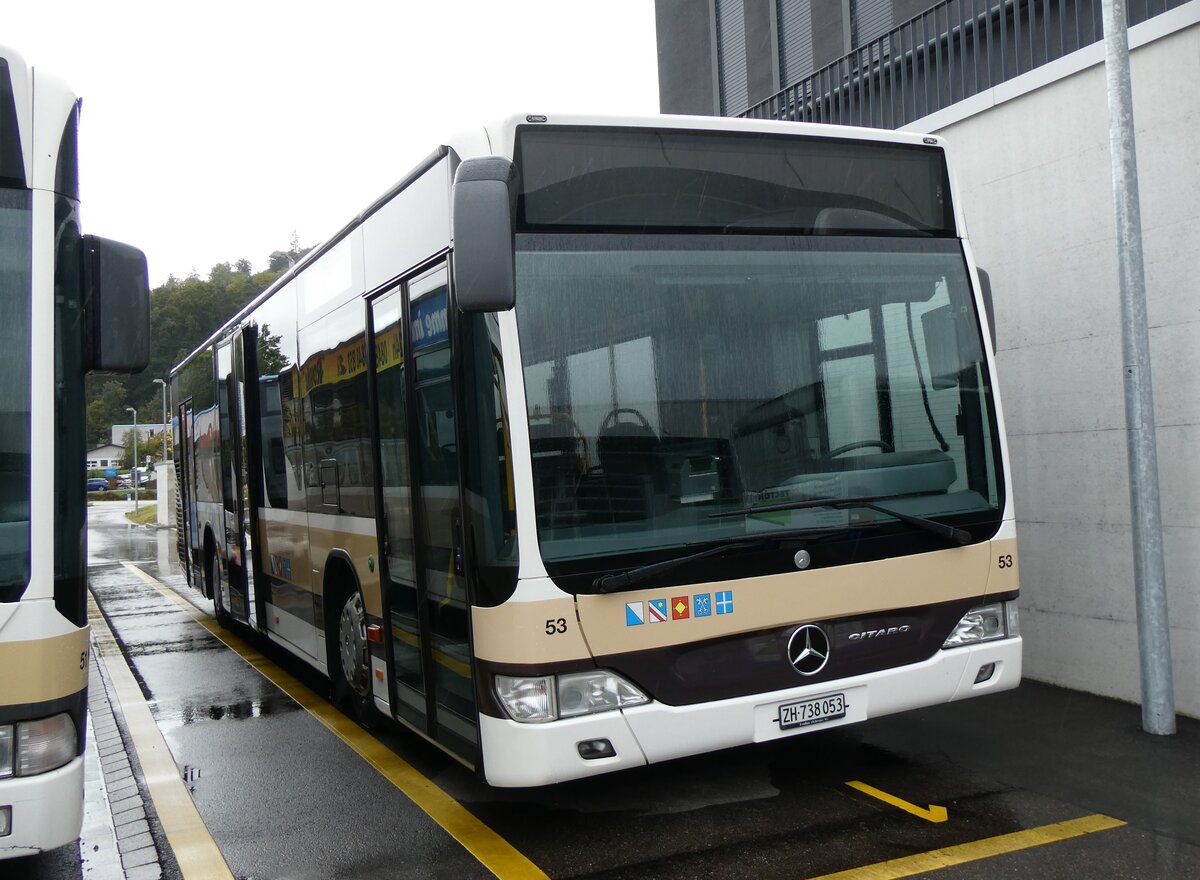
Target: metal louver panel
<point>731,56</point>
<point>795,40</point>
<point>872,18</point>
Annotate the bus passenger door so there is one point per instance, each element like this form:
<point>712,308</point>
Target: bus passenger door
<point>239,586</point>
<point>426,596</point>
<point>249,468</point>
<point>186,524</point>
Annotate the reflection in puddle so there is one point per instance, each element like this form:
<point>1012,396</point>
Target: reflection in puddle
<point>238,710</point>
<point>184,645</point>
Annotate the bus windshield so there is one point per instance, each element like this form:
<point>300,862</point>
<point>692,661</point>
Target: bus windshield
<point>15,244</point>
<point>674,379</point>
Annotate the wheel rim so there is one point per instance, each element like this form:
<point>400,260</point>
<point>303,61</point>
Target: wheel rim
<point>218,599</point>
<point>352,640</point>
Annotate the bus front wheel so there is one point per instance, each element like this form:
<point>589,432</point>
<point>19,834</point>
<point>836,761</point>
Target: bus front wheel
<point>216,586</point>
<point>351,679</point>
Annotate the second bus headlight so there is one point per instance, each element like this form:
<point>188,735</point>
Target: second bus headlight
<point>28,748</point>
<point>45,745</point>
<point>6,750</point>
<point>538,699</point>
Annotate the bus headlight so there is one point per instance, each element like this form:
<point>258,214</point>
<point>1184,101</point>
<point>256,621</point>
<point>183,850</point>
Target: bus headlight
<point>45,745</point>
<point>527,699</point>
<point>538,699</point>
<point>582,693</point>
<point>983,624</point>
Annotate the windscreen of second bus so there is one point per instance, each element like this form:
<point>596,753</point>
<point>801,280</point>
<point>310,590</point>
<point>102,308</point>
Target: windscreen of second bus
<point>15,311</point>
<point>673,377</point>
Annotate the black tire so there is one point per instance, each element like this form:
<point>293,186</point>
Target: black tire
<point>214,584</point>
<point>349,658</point>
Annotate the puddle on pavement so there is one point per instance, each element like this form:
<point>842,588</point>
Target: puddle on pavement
<point>180,646</point>
<point>237,710</point>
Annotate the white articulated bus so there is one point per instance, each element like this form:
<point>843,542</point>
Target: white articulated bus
<point>597,442</point>
<point>56,323</point>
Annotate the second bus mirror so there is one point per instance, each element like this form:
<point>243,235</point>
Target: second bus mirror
<point>116,296</point>
<point>483,235</point>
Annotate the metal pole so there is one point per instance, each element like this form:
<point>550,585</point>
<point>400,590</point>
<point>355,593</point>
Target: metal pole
<point>133,470</point>
<point>1154,637</point>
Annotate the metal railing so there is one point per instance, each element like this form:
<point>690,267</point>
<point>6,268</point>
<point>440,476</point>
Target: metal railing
<point>950,52</point>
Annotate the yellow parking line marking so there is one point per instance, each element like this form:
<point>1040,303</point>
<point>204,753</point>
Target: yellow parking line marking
<point>976,850</point>
<point>933,814</point>
<point>493,851</point>
<point>195,850</point>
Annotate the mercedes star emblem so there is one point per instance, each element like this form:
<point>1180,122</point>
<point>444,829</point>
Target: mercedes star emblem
<point>808,649</point>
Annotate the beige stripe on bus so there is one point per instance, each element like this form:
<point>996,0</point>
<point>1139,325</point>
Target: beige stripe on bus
<point>795,597</point>
<point>527,632</point>
<point>44,669</point>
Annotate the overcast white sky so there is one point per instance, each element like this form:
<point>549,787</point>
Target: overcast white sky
<point>213,130</point>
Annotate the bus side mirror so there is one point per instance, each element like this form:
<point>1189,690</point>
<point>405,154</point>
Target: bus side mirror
<point>483,235</point>
<point>116,297</point>
<point>985,287</point>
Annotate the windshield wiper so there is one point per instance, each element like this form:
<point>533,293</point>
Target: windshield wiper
<point>949,533</point>
<point>610,583</point>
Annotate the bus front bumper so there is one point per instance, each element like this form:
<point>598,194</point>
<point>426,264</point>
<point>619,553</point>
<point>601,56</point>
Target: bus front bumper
<point>45,811</point>
<point>516,754</point>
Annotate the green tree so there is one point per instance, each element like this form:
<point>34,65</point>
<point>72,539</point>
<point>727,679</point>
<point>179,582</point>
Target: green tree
<point>183,313</point>
<point>126,460</point>
<point>105,408</point>
<point>271,358</point>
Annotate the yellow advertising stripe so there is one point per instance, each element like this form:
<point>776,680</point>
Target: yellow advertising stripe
<point>976,850</point>
<point>493,851</point>
<point>195,850</point>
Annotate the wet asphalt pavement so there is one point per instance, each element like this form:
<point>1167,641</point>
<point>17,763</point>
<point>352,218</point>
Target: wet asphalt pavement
<point>283,797</point>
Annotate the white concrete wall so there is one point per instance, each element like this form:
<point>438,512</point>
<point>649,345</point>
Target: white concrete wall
<point>1035,181</point>
<point>164,473</point>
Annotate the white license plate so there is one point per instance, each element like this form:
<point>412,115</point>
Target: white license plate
<point>812,711</point>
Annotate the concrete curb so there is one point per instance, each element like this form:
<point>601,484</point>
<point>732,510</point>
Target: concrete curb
<point>141,850</point>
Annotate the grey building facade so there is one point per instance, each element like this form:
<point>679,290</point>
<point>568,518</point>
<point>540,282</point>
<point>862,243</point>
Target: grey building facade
<point>721,57</point>
<point>1017,88</point>
<point>878,63</point>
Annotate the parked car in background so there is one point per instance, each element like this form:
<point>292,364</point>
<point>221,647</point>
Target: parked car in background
<point>97,484</point>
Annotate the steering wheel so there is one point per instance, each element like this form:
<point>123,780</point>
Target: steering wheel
<point>859,444</point>
<point>614,417</point>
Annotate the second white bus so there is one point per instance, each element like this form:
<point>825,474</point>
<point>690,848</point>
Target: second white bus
<point>69,303</point>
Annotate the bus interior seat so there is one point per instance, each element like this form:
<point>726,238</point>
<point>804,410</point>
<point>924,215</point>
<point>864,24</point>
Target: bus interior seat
<point>629,475</point>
